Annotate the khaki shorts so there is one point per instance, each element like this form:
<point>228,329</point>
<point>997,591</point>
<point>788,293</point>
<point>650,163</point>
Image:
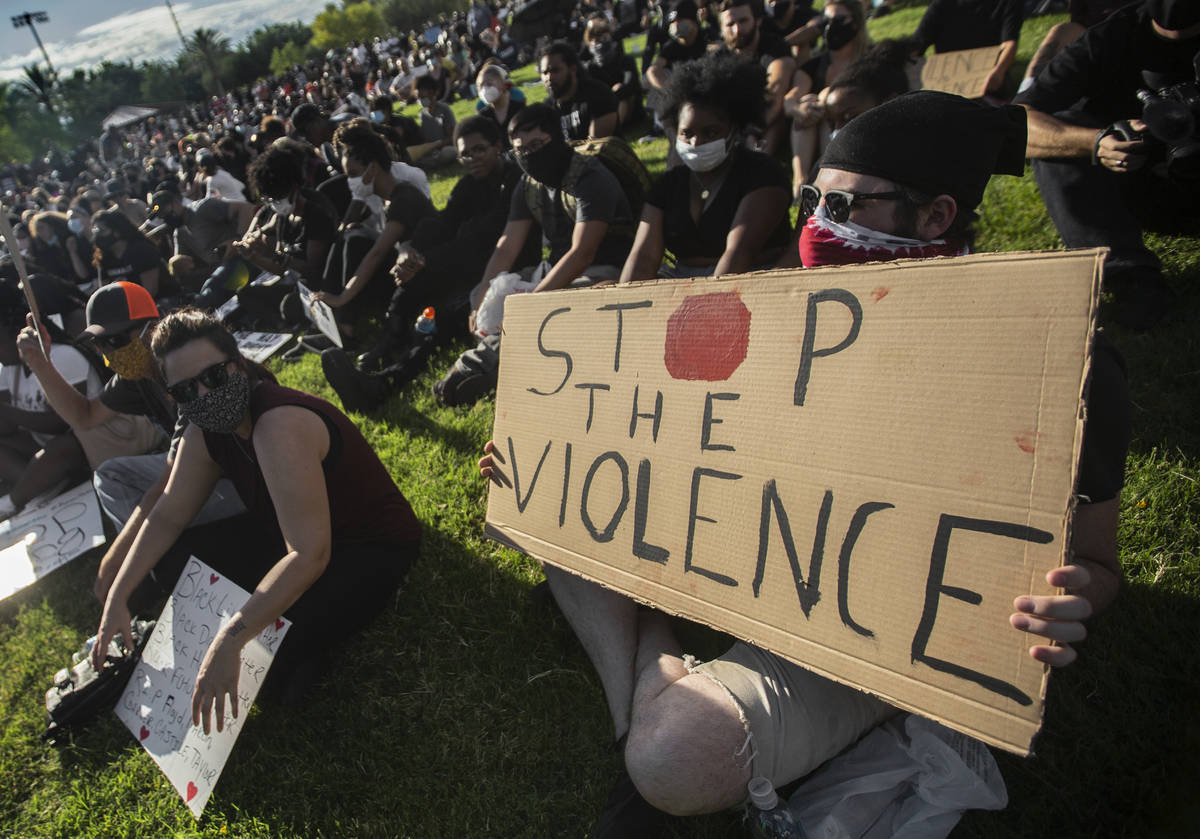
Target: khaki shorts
<point>795,720</point>
<point>119,436</point>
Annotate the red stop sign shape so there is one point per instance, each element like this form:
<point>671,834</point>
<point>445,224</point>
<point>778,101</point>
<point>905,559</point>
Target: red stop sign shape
<point>707,337</point>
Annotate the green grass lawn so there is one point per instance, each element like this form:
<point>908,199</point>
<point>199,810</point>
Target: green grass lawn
<point>467,710</point>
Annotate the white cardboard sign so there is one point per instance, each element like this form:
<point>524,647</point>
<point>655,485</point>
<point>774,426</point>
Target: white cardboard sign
<point>259,346</point>
<point>46,535</point>
<point>157,703</point>
<point>320,314</point>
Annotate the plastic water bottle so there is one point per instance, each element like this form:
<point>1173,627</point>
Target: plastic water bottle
<point>425,326</point>
<point>770,817</point>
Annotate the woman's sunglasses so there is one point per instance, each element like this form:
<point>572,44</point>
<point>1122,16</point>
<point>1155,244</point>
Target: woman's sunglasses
<point>187,390</point>
<point>838,201</point>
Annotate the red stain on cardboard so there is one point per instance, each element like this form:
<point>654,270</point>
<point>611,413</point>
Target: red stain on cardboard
<point>192,789</point>
<point>878,294</point>
<point>707,337</point>
<point>1027,441</point>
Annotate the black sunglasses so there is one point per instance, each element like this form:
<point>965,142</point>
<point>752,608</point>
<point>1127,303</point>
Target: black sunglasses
<point>187,390</point>
<point>838,201</point>
<point>114,342</point>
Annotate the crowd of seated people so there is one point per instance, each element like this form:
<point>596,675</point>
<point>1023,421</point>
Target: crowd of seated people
<point>318,177</point>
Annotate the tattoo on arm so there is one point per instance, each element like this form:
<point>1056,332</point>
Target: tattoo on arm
<point>236,628</point>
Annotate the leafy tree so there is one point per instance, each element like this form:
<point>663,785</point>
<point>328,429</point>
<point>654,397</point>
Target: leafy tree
<point>169,81</point>
<point>404,15</point>
<point>336,27</point>
<point>209,49</point>
<point>38,85</point>
<point>287,55</point>
<point>252,58</point>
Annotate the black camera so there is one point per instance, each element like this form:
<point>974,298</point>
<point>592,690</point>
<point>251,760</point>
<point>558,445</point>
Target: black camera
<point>1172,116</point>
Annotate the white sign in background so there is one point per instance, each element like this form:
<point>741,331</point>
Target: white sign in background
<point>46,535</point>
<point>157,703</point>
<point>259,346</point>
<point>320,314</point>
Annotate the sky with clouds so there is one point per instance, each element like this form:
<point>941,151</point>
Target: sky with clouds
<point>82,33</point>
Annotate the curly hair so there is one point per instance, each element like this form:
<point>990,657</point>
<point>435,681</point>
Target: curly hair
<point>720,82</point>
<point>275,173</point>
<point>359,140</point>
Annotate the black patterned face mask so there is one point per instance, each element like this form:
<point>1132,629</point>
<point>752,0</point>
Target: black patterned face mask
<point>222,409</point>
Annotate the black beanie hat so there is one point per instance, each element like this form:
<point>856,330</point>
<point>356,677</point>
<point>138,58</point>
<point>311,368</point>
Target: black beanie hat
<point>934,142</point>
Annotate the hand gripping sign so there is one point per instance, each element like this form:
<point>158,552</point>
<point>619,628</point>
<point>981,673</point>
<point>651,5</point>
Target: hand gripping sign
<point>157,703</point>
<point>857,468</point>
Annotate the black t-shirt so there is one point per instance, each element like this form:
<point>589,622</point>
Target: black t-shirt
<point>1109,425</point>
<point>408,205</point>
<point>591,101</point>
<point>514,108</point>
<point>317,222</point>
<point>748,171</point>
<point>597,197</point>
<point>817,69</point>
<point>967,24</point>
<point>673,52</point>
<point>1102,70</point>
<point>140,256</point>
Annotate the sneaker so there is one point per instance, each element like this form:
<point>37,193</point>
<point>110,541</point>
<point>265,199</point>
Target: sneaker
<point>358,391</point>
<point>627,815</point>
<point>373,360</point>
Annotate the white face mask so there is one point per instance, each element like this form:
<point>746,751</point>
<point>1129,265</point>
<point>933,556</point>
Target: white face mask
<point>282,206</point>
<point>704,157</point>
<point>359,191</point>
<point>490,94</point>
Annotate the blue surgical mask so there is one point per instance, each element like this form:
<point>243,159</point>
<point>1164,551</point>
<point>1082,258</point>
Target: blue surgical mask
<point>377,116</point>
<point>75,226</point>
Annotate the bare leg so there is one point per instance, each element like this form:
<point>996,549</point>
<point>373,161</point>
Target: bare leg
<point>804,153</point>
<point>1058,37</point>
<point>60,457</point>
<point>606,623</point>
<point>686,733</point>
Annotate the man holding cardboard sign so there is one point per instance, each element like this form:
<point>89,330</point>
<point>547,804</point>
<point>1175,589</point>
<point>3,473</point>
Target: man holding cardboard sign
<point>872,429</point>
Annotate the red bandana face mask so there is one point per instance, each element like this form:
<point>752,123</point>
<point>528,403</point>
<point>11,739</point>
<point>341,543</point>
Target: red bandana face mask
<point>825,242</point>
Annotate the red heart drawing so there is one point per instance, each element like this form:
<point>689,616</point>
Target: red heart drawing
<point>212,579</point>
<point>144,733</point>
<point>279,623</point>
<point>191,791</point>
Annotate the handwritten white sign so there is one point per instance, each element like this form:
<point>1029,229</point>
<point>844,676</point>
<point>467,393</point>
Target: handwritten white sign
<point>320,314</point>
<point>157,703</point>
<point>46,535</point>
<point>259,346</point>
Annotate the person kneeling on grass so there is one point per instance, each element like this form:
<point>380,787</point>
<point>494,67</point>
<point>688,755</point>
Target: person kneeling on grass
<point>327,536</point>
<point>693,735</point>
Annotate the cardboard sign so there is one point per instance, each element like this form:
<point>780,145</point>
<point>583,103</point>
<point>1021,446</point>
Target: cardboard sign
<point>857,468</point>
<point>963,72</point>
<point>320,314</point>
<point>47,534</point>
<point>259,346</point>
<point>157,703</point>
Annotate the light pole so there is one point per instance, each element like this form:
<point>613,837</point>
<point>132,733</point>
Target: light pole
<point>29,19</point>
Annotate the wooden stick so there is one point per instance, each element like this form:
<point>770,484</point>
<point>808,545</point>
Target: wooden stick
<point>11,239</point>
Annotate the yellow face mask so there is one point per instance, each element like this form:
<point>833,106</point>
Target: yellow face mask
<point>132,361</point>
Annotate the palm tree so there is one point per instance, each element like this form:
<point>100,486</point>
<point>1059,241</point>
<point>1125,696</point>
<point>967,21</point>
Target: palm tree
<point>38,85</point>
<point>209,48</point>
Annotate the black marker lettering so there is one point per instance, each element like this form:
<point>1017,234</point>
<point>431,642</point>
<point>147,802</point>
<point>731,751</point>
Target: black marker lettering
<point>606,534</point>
<point>656,416</point>
<point>591,388</point>
<point>807,592</point>
<point>935,588</point>
<point>565,356</point>
<point>807,351</point>
<point>522,503</point>
<point>694,516</point>
<point>620,308</point>
<point>857,523</point>
<point>710,421</point>
<point>641,548</point>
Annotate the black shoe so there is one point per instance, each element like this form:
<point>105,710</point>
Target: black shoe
<point>358,391</point>
<point>373,360</point>
<point>1142,299</point>
<point>627,815</point>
